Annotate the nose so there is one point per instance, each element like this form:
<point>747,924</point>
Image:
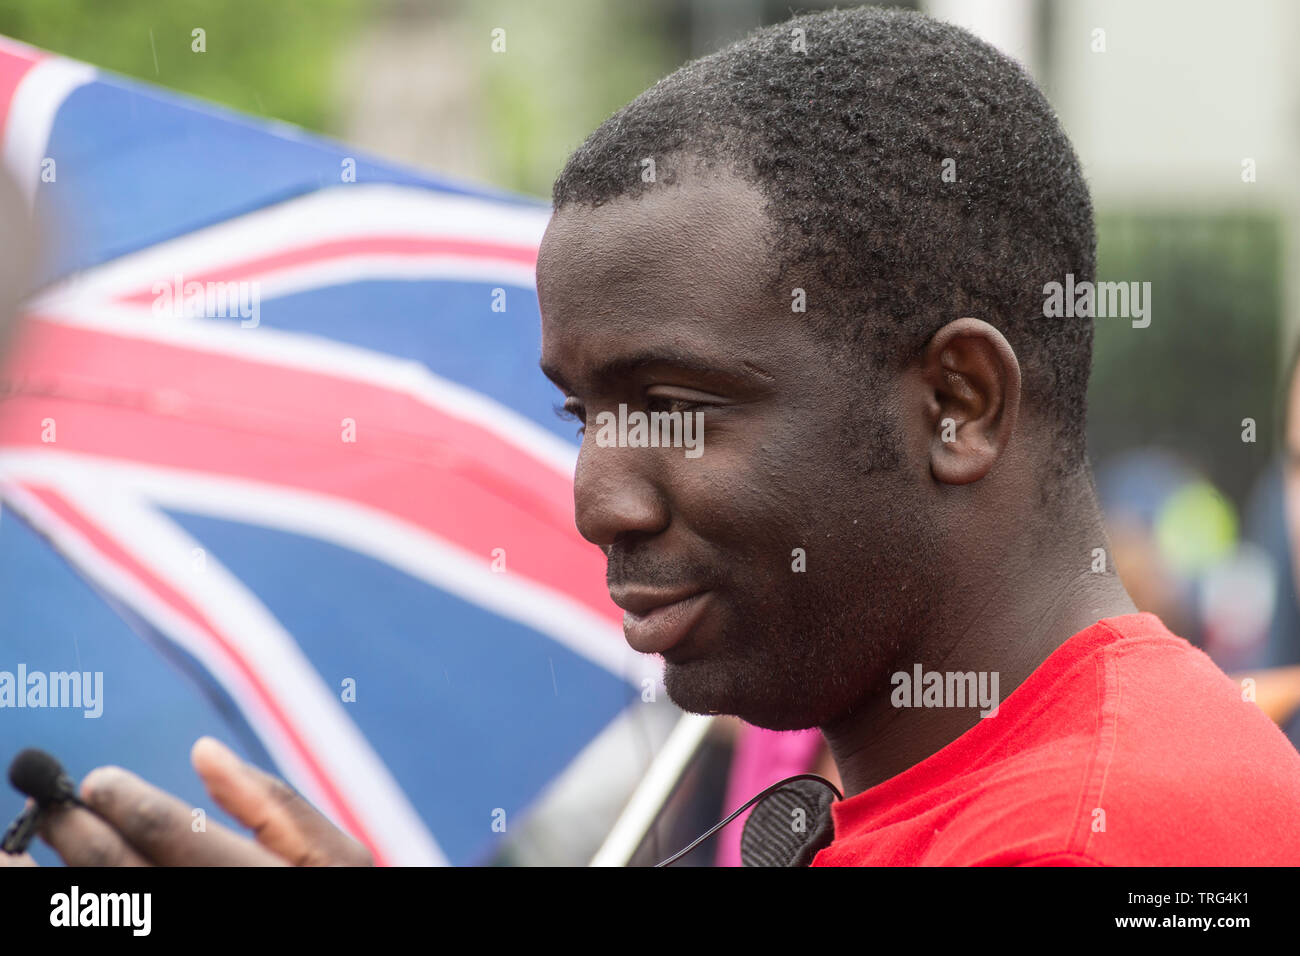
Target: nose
<point>615,493</point>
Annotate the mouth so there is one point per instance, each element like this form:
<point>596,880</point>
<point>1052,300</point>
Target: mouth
<point>654,623</point>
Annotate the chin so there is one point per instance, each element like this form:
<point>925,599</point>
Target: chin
<point>704,687</point>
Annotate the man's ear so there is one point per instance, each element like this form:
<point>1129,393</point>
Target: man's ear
<point>972,398</point>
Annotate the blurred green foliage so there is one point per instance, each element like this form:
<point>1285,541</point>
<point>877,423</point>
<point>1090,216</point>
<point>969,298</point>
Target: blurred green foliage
<point>269,57</point>
<point>1210,357</point>
<point>531,127</point>
<point>281,59</point>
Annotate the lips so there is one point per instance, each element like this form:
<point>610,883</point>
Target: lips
<point>655,621</point>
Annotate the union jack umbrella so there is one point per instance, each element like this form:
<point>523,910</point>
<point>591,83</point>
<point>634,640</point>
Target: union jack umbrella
<point>278,462</point>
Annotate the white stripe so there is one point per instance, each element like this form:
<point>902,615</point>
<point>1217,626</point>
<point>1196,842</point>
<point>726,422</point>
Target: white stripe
<point>110,578</point>
<point>377,534</point>
<point>35,104</point>
<point>570,819</point>
<point>277,283</point>
<point>316,713</point>
<point>328,357</point>
<point>350,212</point>
<point>653,791</point>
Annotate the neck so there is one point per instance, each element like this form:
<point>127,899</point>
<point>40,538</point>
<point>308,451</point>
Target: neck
<point>1042,592</point>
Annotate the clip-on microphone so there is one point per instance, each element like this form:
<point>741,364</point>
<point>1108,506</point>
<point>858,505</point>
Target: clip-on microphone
<point>787,828</point>
<point>37,774</point>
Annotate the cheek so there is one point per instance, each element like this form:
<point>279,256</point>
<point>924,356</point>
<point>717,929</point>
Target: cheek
<point>770,480</point>
<point>729,490</point>
<point>758,503</point>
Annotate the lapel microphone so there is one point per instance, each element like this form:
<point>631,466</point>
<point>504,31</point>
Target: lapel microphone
<point>790,824</point>
<point>41,777</point>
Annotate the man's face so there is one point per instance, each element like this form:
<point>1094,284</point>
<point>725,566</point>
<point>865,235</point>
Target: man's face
<point>783,571</point>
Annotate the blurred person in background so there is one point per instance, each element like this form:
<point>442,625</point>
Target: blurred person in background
<point>1134,488</point>
<point>1278,689</point>
<point>1175,543</point>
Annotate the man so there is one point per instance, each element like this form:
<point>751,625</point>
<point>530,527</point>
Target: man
<point>829,244</point>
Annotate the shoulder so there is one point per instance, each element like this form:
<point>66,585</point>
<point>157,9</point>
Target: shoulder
<point>1170,764</point>
<point>1184,768</point>
<point>1129,747</point>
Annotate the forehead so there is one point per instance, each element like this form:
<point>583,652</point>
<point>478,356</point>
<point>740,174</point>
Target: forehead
<point>700,211</point>
<point>683,263</point>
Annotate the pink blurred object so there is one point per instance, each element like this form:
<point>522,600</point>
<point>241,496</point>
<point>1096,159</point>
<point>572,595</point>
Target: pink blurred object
<point>761,758</point>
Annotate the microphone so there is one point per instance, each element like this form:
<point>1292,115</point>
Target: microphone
<point>790,825</point>
<point>794,822</point>
<point>41,777</point>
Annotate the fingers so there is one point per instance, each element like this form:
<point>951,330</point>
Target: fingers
<point>83,839</point>
<point>16,859</point>
<point>129,822</point>
<point>281,819</point>
<point>158,826</point>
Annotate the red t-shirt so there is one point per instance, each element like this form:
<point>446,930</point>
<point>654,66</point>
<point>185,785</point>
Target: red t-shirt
<point>1126,747</point>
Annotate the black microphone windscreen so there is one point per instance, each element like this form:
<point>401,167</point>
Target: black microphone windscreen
<point>789,825</point>
<point>37,774</point>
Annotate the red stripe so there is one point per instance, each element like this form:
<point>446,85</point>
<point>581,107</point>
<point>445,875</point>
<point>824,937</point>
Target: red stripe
<point>413,247</point>
<point>131,399</point>
<point>14,65</point>
<point>110,550</point>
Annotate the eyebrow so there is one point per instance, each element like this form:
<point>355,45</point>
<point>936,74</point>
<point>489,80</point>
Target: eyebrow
<point>623,367</point>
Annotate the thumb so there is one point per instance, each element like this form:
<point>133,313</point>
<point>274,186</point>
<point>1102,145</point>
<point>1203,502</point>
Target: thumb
<point>279,817</point>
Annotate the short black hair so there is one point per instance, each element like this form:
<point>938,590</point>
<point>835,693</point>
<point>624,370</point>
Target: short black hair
<point>848,138</point>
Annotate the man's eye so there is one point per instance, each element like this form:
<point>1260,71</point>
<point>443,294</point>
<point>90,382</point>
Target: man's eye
<point>574,412</point>
<point>659,403</point>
